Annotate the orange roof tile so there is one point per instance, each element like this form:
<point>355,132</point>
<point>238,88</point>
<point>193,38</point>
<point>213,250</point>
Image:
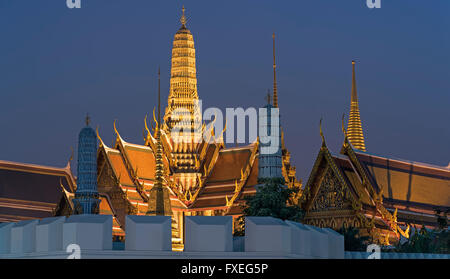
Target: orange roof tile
<point>229,165</point>
<point>141,159</point>
<point>105,208</point>
<point>253,177</point>
<point>120,168</point>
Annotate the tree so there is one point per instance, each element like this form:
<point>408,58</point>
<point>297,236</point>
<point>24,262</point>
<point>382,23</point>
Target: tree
<point>353,241</point>
<point>442,219</point>
<point>425,241</point>
<point>272,199</point>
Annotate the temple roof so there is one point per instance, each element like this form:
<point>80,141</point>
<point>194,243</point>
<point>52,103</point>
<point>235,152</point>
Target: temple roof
<point>229,164</point>
<point>406,181</point>
<point>107,209</point>
<point>30,191</point>
<point>394,190</point>
<point>227,172</point>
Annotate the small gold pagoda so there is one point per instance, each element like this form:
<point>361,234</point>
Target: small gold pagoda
<point>354,128</point>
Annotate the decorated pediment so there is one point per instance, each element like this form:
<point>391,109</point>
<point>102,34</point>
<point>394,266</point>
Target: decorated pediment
<point>331,195</point>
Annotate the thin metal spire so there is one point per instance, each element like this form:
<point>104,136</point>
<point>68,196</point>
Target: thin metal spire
<point>88,119</point>
<point>159,96</point>
<point>275,95</point>
<point>183,18</point>
<point>268,97</point>
<point>354,97</point>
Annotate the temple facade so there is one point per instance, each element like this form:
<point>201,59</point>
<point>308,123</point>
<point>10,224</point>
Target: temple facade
<point>201,177</point>
<point>381,196</point>
<point>184,174</point>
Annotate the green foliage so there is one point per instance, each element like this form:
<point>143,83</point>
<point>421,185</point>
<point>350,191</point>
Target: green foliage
<point>353,241</point>
<point>425,241</point>
<point>272,199</point>
<point>442,219</point>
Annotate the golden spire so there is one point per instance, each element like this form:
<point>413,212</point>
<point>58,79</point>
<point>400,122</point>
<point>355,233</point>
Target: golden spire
<point>159,200</point>
<point>183,18</point>
<point>354,128</point>
<point>275,95</point>
<point>183,111</point>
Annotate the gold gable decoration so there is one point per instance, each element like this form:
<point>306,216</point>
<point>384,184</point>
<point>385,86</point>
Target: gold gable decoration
<point>331,195</point>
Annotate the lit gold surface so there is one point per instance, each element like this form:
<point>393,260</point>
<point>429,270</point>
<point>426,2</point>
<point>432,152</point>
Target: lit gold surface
<point>354,128</point>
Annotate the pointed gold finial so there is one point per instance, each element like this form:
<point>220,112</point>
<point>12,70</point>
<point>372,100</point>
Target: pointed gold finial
<point>115,128</point>
<point>101,144</point>
<point>71,154</point>
<point>343,125</point>
<point>183,18</point>
<point>146,126</point>
<point>321,132</point>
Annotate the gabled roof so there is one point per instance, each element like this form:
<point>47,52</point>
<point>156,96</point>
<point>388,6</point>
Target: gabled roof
<point>220,169</point>
<point>408,182</point>
<point>30,191</point>
<point>141,159</point>
<point>385,186</point>
<point>117,161</point>
<point>352,178</point>
<point>106,209</point>
<point>227,172</point>
<point>339,166</point>
<point>229,164</point>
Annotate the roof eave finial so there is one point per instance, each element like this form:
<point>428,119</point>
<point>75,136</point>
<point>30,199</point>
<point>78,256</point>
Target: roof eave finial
<point>183,18</point>
<point>343,126</point>
<point>321,133</point>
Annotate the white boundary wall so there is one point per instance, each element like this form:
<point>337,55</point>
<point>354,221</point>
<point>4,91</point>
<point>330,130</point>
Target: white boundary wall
<point>266,238</point>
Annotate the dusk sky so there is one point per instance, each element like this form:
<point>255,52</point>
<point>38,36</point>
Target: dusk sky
<point>57,64</point>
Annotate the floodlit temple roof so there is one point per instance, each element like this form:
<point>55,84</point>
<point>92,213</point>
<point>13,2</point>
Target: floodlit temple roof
<point>408,182</point>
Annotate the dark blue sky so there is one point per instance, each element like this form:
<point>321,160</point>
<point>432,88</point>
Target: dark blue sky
<point>56,64</point>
